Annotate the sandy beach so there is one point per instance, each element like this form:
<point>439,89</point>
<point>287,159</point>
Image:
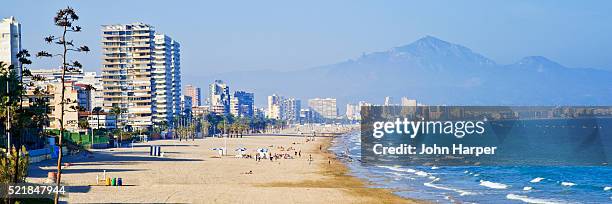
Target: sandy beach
<point>192,172</point>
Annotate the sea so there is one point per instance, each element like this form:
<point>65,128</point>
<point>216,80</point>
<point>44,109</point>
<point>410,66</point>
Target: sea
<point>483,184</point>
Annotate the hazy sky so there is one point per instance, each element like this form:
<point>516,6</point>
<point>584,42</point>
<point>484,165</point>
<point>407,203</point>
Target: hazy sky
<point>226,36</point>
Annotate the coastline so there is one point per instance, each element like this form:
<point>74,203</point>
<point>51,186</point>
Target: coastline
<point>339,177</point>
<point>192,172</point>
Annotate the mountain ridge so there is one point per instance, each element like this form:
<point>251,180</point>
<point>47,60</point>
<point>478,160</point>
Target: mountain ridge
<point>434,71</point>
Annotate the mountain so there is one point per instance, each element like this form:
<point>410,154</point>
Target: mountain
<point>434,72</point>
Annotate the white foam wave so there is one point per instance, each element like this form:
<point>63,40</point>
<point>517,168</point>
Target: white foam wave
<point>435,167</point>
<point>532,200</point>
<point>567,184</point>
<point>461,192</point>
<point>421,173</point>
<point>536,180</point>
<point>398,169</point>
<point>432,177</point>
<point>527,188</point>
<point>607,188</point>
<point>493,185</point>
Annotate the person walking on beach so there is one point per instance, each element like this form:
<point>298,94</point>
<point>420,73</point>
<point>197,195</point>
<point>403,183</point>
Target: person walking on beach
<point>300,153</point>
<point>310,159</point>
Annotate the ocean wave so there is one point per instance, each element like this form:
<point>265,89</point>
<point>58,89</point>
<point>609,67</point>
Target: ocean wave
<point>461,192</point>
<point>607,188</point>
<point>527,188</point>
<point>421,173</point>
<point>435,167</point>
<point>398,169</point>
<point>536,180</point>
<point>532,200</point>
<point>567,184</point>
<point>493,185</point>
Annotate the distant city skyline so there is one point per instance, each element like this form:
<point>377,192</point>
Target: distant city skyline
<point>289,36</point>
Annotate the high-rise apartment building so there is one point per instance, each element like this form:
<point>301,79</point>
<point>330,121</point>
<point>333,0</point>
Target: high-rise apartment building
<point>242,104</point>
<point>175,70</point>
<point>165,98</point>
<point>353,112</point>
<point>140,74</point>
<point>195,94</point>
<point>291,110</point>
<point>282,108</point>
<point>10,42</point>
<point>324,108</point>
<point>219,97</point>
<point>388,101</point>
<point>408,102</point>
<point>274,110</point>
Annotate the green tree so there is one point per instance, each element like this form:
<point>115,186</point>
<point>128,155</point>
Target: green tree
<point>19,121</point>
<point>97,111</point>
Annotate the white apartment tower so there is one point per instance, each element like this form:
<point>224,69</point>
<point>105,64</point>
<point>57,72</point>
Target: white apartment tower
<point>175,70</point>
<point>324,108</point>
<point>10,42</point>
<point>140,72</point>
<point>162,103</point>
<point>219,97</point>
<point>275,107</point>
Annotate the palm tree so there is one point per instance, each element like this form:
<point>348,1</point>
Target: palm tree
<point>117,111</point>
<point>98,110</point>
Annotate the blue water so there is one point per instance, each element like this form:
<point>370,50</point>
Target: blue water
<point>481,184</point>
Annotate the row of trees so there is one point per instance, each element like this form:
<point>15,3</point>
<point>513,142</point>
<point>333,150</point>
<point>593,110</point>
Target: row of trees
<point>237,126</point>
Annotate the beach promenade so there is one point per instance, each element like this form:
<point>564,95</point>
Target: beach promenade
<point>192,172</point>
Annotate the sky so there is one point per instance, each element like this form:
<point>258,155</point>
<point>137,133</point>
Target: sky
<point>225,36</point>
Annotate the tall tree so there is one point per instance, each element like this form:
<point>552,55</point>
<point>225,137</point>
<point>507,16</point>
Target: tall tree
<point>65,19</point>
<point>117,111</point>
<point>98,110</point>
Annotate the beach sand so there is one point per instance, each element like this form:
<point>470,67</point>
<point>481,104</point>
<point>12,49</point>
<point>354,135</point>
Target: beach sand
<point>191,172</point>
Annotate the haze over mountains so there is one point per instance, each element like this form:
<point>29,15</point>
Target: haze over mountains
<point>434,72</point>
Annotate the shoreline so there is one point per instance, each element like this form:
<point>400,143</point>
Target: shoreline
<point>340,178</point>
<point>191,172</point>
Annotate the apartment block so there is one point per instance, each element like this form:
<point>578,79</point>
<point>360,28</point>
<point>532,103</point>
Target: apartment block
<point>242,104</point>
<point>140,74</point>
<point>10,42</point>
<point>324,108</point>
<point>195,94</point>
<point>219,97</point>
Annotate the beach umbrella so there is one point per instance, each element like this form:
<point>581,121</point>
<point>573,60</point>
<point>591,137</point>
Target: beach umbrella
<point>242,149</point>
<point>262,150</point>
<point>218,148</point>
